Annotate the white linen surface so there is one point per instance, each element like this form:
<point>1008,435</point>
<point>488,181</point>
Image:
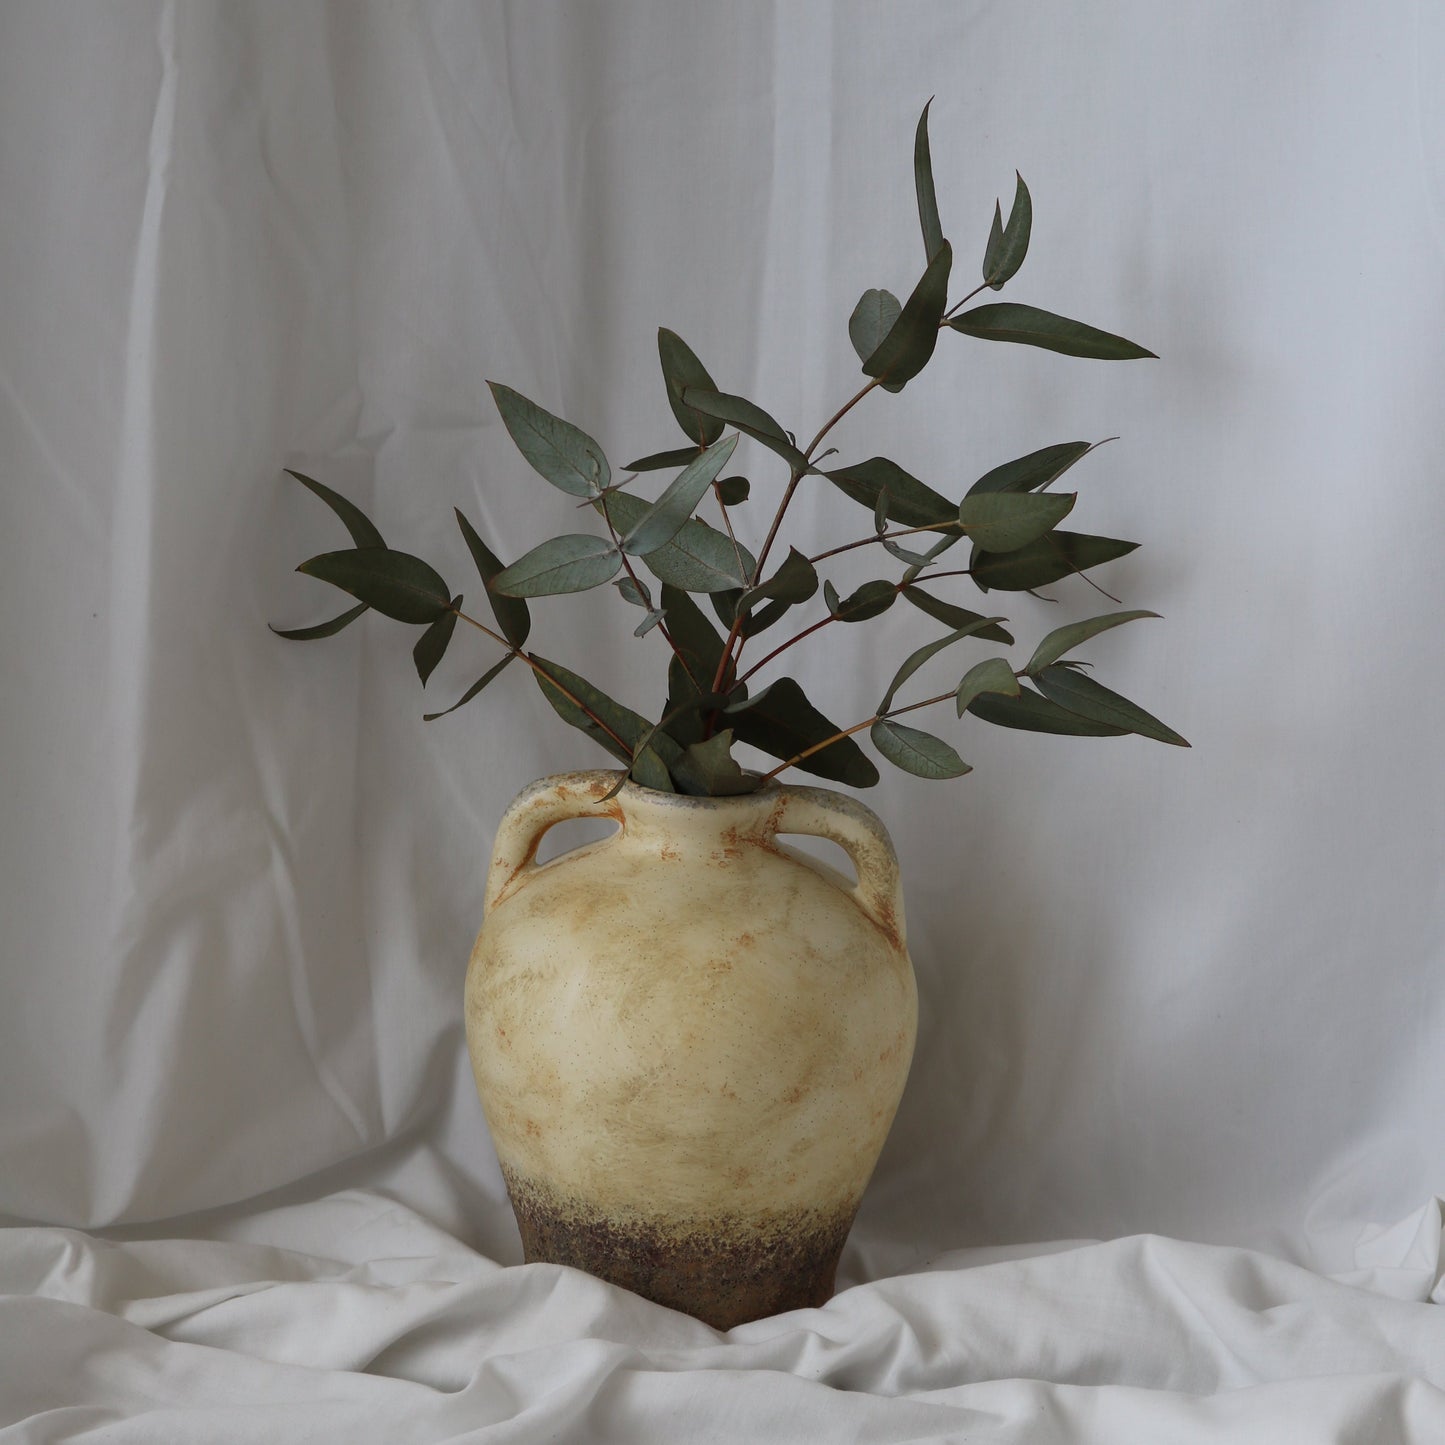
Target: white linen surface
<point>1167,996</point>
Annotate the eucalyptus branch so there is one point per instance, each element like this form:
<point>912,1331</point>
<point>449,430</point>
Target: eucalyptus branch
<point>792,641</point>
<point>880,537</point>
<point>949,313</point>
<point>637,582</point>
<point>857,728</point>
<point>542,672</point>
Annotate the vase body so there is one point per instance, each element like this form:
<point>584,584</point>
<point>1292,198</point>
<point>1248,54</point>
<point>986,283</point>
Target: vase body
<point>689,1039</point>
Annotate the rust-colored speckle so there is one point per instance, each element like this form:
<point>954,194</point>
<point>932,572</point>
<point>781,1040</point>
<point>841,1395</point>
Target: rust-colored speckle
<point>796,1094</point>
<point>746,940</point>
<point>724,1270</point>
<point>533,1129</point>
<point>670,853</point>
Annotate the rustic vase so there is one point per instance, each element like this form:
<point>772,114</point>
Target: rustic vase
<point>690,1039</point>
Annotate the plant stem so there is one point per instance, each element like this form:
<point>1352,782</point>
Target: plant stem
<point>806,632</point>
<point>637,582</point>
<point>552,681</point>
<point>964,302</point>
<point>883,537</point>
<point>856,728</point>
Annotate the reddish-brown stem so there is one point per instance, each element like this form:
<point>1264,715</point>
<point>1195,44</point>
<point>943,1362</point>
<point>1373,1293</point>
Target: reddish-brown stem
<point>637,582</point>
<point>856,728</point>
<point>879,537</point>
<point>552,681</point>
<point>806,632</point>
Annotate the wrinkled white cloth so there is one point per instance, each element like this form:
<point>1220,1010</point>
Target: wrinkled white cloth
<point>352,1319</point>
<point>1165,996</point>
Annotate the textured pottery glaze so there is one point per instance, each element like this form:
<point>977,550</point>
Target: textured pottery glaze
<point>690,1039</point>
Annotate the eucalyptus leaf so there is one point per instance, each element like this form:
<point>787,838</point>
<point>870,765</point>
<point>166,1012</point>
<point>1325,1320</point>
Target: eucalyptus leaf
<point>1080,694</point>
<point>662,461</point>
<point>750,419</point>
<point>1006,521</point>
<point>733,491</point>
<point>920,655</point>
<point>1065,639</point>
<point>869,600</point>
<point>363,532</point>
<point>880,513</point>
<point>321,629</point>
<point>431,646</point>
<point>575,562</point>
<point>633,591</point>
<point>664,519</point>
<point>784,723</point>
<point>654,616</point>
<point>992,675</point>
<point>569,694</point>
<point>1027,325</point>
<point>1052,556</point>
<point>906,350</point>
<point>927,559</point>
<point>795,581</point>
<point>1008,245</point>
<point>911,503</point>
<point>915,751</point>
<point>1028,474</point>
<point>915,559</point>
<point>708,769</point>
<point>492,672</point>
<point>954,616</point>
<point>698,559</point>
<point>397,584</point>
<point>872,320</point>
<point>1032,713</point>
<point>558,451</point>
<point>511,612</point>
<point>692,634</point>
<point>933,241</point>
<point>680,370</point>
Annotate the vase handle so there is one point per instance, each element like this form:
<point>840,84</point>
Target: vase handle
<point>820,813</point>
<point>534,810</point>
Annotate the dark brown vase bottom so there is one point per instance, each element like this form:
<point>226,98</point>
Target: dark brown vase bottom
<point>723,1271</point>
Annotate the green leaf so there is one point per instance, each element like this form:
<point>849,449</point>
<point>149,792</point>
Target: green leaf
<point>795,581</point>
<point>910,502</point>
<point>1008,245</point>
<point>906,350</point>
<point>1065,639</point>
<point>698,559</point>
<point>1006,521</point>
<point>572,563</point>
<point>696,638</point>
<point>1007,321</point>
<point>492,672</point>
<point>1028,474</point>
<point>511,612</point>
<point>654,616</point>
<point>733,490</point>
<point>1082,695</point>
<point>750,419</point>
<point>869,600</point>
<point>955,616</point>
<point>397,584</point>
<point>556,682</point>
<point>562,453</point>
<point>708,769</point>
<point>1052,556</point>
<point>431,646</point>
<point>680,370</point>
<point>917,658</point>
<point>662,461</point>
<point>992,675</point>
<point>1032,713</point>
<point>872,319</point>
<point>784,723</point>
<point>363,533</point>
<point>933,241</point>
<point>634,592</point>
<point>915,751</point>
<point>665,517</point>
<point>321,629</point>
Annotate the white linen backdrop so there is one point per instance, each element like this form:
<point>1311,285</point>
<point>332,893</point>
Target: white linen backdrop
<point>1185,1004</point>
